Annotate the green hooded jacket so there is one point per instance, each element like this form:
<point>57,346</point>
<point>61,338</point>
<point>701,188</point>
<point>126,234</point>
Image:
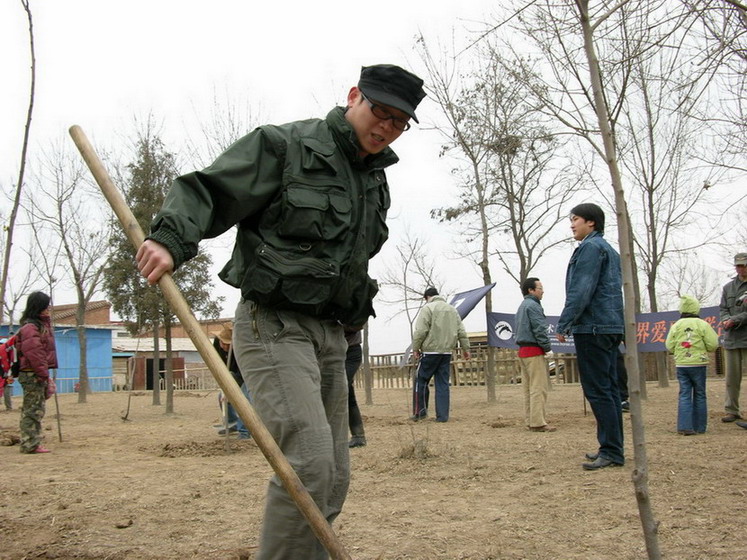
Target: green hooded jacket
<point>438,329</point>
<point>691,338</point>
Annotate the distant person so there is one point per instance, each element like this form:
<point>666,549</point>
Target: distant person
<point>37,356</point>
<point>437,331</point>
<point>222,344</point>
<point>534,343</point>
<point>690,339</point>
<point>734,322</point>
<point>593,313</point>
<point>353,359</point>
<point>309,201</point>
<point>8,393</point>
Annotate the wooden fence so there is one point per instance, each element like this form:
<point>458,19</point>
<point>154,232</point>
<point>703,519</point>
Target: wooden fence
<point>392,371</point>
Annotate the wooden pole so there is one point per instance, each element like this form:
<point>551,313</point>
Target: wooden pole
<point>179,306</point>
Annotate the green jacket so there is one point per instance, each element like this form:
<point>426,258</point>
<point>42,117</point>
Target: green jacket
<point>691,338</point>
<point>310,213</point>
<point>438,328</point>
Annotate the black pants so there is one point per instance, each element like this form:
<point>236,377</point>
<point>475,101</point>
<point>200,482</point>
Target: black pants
<point>353,360</point>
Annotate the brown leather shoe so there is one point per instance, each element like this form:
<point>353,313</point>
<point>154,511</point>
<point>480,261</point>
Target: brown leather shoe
<point>545,428</point>
<point>731,418</point>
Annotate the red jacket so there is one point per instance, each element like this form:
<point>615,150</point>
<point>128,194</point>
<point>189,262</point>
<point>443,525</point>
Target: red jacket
<point>37,348</point>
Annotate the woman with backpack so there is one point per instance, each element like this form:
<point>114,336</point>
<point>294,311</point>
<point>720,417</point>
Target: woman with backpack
<point>37,356</point>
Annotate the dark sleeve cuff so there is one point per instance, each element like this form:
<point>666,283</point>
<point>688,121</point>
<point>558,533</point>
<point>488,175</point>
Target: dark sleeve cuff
<point>179,252</point>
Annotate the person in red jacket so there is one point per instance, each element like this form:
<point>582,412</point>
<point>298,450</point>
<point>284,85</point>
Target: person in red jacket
<point>37,356</point>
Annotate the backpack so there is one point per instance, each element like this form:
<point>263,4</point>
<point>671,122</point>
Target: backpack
<point>9,362</point>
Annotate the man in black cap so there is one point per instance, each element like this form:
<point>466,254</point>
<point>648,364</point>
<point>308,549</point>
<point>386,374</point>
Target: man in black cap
<point>593,314</point>
<point>309,199</point>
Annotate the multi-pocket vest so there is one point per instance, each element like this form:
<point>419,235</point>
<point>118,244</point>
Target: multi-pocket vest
<point>309,250</point>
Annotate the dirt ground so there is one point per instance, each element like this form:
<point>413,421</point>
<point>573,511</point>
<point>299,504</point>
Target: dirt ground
<point>480,487</point>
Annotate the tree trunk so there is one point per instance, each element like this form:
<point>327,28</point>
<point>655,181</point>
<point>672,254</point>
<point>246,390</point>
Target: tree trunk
<point>19,186</point>
<point>156,368</point>
<point>367,373</point>
<point>84,386</point>
<point>490,373</point>
<point>169,367</point>
<point>662,371</point>
<point>640,472</point>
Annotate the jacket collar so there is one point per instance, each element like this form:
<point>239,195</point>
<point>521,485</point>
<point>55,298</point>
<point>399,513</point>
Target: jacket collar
<point>346,139</point>
<point>594,233</point>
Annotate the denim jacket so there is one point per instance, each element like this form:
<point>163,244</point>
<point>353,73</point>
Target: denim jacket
<point>593,290</point>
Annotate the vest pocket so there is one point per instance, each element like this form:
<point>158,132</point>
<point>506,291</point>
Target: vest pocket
<point>314,214</point>
<point>278,280</point>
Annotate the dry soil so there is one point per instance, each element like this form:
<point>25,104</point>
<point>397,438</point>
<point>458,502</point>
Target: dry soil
<point>479,487</point>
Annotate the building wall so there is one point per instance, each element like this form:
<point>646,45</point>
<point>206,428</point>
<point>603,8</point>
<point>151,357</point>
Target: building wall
<point>98,354</point>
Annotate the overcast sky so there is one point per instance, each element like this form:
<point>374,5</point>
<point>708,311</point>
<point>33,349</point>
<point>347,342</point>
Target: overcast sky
<point>100,64</point>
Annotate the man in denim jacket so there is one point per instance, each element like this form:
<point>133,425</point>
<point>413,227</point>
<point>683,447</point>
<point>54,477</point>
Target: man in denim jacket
<point>593,314</point>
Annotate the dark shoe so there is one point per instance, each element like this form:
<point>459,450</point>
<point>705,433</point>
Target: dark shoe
<point>415,418</point>
<point>731,418</point>
<point>245,436</point>
<point>686,432</point>
<point>357,441</point>
<point>742,425</point>
<point>545,428</point>
<point>592,456</point>
<point>625,405</point>
<point>231,430</point>
<point>600,463</point>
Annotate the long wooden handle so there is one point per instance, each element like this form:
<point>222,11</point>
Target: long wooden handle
<point>173,296</point>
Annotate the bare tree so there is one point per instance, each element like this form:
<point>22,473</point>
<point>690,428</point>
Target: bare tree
<point>687,274</point>
<point>10,228</point>
<point>514,182</point>
<point>404,279</point>
<point>74,214</point>
<point>229,119</point>
<point>602,110</point>
<point>721,36</point>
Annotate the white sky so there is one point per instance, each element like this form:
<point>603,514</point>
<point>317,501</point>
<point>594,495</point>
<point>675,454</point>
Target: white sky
<point>102,63</point>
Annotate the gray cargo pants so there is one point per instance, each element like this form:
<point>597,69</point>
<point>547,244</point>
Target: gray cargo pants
<point>294,366</point>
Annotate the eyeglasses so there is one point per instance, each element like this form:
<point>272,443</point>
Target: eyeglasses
<point>380,113</point>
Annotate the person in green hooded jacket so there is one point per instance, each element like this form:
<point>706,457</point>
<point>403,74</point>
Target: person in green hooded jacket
<point>309,201</point>
<point>690,339</point>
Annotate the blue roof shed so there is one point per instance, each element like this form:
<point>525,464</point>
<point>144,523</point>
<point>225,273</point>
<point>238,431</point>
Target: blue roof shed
<point>98,352</point>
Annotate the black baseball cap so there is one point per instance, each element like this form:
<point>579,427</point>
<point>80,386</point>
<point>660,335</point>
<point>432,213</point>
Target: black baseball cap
<point>393,86</point>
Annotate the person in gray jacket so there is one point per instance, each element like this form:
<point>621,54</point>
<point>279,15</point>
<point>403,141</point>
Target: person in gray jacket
<point>437,331</point>
<point>733,309</point>
<point>531,336</point>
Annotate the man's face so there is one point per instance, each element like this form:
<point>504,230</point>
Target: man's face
<point>581,227</point>
<point>538,290</point>
<point>373,134</point>
<point>741,270</point>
